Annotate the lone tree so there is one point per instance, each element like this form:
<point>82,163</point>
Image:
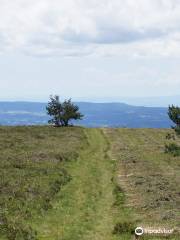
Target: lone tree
<point>62,113</point>
<point>174,115</point>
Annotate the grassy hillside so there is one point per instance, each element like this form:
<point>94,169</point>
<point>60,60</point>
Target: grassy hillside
<point>76,183</point>
<point>148,178</point>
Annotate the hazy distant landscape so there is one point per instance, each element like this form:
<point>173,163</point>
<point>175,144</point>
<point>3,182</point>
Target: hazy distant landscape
<point>96,115</point>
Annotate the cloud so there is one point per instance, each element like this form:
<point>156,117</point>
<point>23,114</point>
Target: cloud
<point>78,27</point>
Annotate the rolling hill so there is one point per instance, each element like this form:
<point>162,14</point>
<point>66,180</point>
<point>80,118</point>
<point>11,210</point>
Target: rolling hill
<point>96,115</point>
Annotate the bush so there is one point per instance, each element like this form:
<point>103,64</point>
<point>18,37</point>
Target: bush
<point>124,227</point>
<point>173,149</point>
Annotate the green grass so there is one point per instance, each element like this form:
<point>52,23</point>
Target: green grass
<point>76,183</point>
<point>148,177</point>
<point>80,206</point>
<point>33,169</point>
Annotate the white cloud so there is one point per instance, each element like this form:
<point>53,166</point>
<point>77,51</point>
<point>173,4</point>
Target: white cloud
<point>78,27</point>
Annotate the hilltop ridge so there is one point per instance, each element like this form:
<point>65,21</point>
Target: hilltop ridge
<point>96,115</point>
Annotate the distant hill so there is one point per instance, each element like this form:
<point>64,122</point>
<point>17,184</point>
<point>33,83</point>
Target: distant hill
<point>154,101</point>
<point>96,115</point>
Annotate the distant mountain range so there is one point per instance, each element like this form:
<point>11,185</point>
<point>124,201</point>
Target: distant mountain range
<point>161,101</point>
<point>96,115</point>
<point>156,101</point>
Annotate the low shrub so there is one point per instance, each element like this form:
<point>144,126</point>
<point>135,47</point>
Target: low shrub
<point>124,227</point>
<point>173,149</point>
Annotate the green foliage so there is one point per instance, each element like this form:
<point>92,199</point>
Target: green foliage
<point>62,113</point>
<point>54,108</point>
<point>177,130</point>
<point>172,148</point>
<point>70,111</point>
<point>174,115</point>
<point>124,227</point>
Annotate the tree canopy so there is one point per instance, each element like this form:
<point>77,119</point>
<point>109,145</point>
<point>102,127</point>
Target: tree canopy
<point>174,115</point>
<point>62,112</point>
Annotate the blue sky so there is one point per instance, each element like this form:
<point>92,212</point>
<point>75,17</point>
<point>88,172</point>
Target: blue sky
<point>89,50</point>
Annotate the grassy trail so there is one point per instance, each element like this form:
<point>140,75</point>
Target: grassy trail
<point>83,208</point>
<point>119,179</point>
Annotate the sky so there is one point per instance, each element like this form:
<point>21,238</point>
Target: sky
<point>91,50</point>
